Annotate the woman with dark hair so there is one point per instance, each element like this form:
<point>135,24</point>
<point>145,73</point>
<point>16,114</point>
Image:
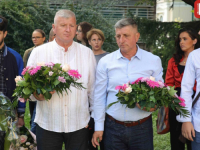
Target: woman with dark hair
<point>81,33</point>
<point>187,41</point>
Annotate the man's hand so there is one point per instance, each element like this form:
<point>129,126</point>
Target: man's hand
<point>151,109</point>
<point>40,97</point>
<point>188,130</point>
<point>20,122</point>
<point>97,135</point>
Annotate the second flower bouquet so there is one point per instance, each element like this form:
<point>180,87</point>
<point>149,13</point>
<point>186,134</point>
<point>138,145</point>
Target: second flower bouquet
<point>44,78</point>
<point>149,94</point>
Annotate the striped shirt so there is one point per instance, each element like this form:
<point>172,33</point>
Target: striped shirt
<point>68,112</point>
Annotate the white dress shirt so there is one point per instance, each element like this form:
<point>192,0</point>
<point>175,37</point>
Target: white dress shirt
<point>70,112</point>
<point>192,72</point>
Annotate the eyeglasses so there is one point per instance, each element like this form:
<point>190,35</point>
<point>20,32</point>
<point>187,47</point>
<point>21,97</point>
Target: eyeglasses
<point>79,31</point>
<point>1,20</point>
<point>94,40</point>
<point>37,37</point>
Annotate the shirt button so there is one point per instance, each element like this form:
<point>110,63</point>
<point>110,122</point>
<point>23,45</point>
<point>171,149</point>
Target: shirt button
<point>6,78</point>
<point>4,68</point>
<point>65,105</point>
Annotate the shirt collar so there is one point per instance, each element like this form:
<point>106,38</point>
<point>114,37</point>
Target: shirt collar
<point>62,48</point>
<point>138,54</point>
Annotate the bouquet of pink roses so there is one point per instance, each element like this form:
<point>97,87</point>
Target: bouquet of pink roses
<point>44,78</point>
<point>149,93</point>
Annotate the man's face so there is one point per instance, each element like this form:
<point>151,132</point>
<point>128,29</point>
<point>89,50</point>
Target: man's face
<point>65,29</point>
<point>126,38</point>
<point>2,37</point>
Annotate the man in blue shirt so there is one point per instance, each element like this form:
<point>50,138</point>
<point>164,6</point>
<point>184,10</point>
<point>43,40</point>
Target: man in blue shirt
<point>125,128</point>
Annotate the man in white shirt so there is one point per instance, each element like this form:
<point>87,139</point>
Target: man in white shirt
<point>191,124</point>
<point>65,118</point>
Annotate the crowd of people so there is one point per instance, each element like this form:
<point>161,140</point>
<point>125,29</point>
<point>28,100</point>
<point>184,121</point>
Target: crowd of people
<point>80,119</point>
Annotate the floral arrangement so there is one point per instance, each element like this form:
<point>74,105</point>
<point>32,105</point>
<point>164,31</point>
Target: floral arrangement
<point>7,121</point>
<point>149,94</point>
<point>26,140</point>
<point>45,78</point>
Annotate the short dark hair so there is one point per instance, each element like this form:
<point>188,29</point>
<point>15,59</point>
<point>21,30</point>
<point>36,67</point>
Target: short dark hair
<point>3,24</point>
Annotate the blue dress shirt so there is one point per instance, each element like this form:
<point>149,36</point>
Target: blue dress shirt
<point>191,72</point>
<point>113,70</point>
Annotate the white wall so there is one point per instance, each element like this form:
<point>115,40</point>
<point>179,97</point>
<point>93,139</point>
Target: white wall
<point>181,11</point>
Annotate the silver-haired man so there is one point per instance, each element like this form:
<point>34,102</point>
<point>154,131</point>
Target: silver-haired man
<point>125,128</point>
<point>64,119</point>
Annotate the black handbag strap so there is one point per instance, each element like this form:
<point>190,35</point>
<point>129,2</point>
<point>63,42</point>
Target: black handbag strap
<point>195,100</point>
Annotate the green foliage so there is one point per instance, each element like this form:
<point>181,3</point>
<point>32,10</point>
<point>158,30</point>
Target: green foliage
<point>26,16</point>
<point>23,18</point>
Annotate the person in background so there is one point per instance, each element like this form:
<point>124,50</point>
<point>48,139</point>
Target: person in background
<point>191,124</point>
<point>125,128</point>
<point>96,39</point>
<point>38,38</point>
<point>81,33</point>
<point>187,40</point>
<point>11,65</point>
<point>51,35</point>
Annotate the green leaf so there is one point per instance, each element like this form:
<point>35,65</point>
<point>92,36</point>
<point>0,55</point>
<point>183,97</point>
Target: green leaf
<point>56,82</point>
<point>47,95</point>
<point>46,72</point>
<point>126,98</point>
<point>172,91</point>
<point>27,91</point>
<point>112,104</point>
<point>43,90</point>
<point>152,98</point>
<point>22,83</point>
<point>151,92</point>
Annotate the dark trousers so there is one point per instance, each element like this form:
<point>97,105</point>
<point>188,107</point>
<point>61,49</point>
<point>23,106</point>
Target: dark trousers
<point>120,137</point>
<point>175,131</point>
<point>48,140</point>
<point>91,132</point>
